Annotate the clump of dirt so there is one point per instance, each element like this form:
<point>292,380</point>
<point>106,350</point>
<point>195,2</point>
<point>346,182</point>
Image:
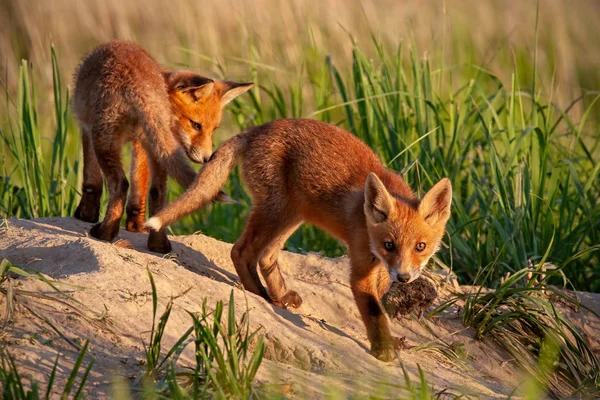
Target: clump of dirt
<point>404,298</point>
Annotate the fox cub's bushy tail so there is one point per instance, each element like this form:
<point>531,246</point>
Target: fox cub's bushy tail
<point>206,187</point>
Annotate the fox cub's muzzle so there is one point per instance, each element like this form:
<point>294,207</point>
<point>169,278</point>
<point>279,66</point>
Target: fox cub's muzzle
<point>397,274</point>
<point>199,155</point>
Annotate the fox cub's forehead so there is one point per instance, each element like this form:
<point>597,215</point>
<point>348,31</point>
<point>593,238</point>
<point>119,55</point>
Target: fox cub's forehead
<point>405,211</point>
<point>407,220</point>
<point>206,111</point>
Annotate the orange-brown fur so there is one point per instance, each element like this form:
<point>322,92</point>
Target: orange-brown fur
<point>122,95</point>
<point>308,171</point>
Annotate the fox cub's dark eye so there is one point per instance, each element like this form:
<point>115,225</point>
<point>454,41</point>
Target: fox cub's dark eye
<point>197,126</point>
<point>420,246</point>
<point>389,246</point>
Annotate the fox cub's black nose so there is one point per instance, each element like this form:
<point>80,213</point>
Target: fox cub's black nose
<point>403,278</point>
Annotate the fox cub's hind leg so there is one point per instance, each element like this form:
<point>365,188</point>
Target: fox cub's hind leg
<point>157,240</point>
<point>88,209</point>
<point>108,153</point>
<point>269,269</point>
<point>136,203</point>
<point>265,232</point>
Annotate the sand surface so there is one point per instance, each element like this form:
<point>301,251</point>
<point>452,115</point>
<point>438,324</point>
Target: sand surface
<point>319,347</point>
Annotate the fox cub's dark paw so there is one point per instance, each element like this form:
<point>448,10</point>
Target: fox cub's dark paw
<point>158,242</point>
<point>387,351</point>
<point>87,213</point>
<point>88,209</point>
<point>103,232</point>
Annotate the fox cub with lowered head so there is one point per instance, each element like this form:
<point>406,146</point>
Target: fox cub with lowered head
<point>122,95</point>
<point>308,171</point>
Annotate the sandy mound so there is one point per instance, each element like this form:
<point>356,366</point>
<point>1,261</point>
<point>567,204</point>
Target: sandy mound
<point>320,345</point>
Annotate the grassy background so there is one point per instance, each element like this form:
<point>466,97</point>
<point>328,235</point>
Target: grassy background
<point>497,97</point>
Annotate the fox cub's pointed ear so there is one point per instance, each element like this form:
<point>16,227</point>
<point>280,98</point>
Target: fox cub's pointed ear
<point>435,205</point>
<point>231,90</point>
<point>378,202</point>
<point>189,83</point>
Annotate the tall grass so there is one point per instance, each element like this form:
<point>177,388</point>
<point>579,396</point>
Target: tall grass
<point>521,316</point>
<point>37,179</point>
<point>524,173</point>
<point>523,161</point>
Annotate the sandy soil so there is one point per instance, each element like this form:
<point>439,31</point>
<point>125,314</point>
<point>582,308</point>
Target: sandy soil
<point>317,348</point>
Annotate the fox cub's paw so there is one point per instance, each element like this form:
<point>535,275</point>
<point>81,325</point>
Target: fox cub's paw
<point>105,232</point>
<point>291,299</point>
<point>88,209</point>
<point>87,213</point>
<point>387,351</point>
<point>158,242</point>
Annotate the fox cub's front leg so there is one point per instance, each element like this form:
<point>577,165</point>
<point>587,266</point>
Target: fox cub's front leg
<point>136,203</point>
<point>369,283</point>
<point>108,155</point>
<point>88,209</point>
<point>157,240</point>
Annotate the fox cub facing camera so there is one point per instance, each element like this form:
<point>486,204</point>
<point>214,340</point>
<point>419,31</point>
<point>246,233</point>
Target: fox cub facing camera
<point>307,171</point>
<point>122,95</point>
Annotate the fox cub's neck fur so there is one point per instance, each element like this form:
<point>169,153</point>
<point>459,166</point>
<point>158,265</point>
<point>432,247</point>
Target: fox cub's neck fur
<point>308,171</point>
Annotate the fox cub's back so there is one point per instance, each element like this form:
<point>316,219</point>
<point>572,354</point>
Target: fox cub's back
<point>114,74</point>
<point>309,151</point>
